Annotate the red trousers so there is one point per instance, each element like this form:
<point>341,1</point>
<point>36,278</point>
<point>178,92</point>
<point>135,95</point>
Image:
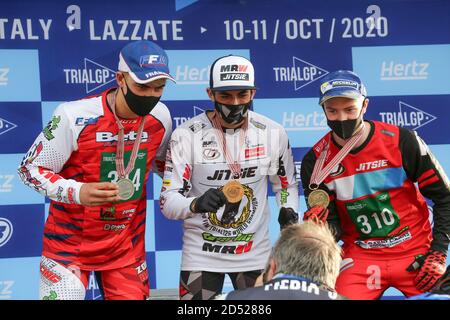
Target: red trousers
<point>361,279</point>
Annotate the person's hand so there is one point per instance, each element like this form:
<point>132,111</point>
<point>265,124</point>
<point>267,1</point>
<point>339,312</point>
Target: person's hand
<point>431,267</point>
<point>98,193</point>
<point>210,201</point>
<point>316,213</point>
<point>287,217</point>
<point>259,282</point>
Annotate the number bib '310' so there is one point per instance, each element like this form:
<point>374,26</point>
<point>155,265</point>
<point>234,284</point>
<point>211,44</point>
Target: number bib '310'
<point>108,171</point>
<point>374,217</point>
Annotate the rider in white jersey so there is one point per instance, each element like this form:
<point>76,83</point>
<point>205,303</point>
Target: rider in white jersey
<point>235,144</point>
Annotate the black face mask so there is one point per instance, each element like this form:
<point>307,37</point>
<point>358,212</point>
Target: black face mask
<point>140,105</point>
<point>233,113</point>
<point>345,129</point>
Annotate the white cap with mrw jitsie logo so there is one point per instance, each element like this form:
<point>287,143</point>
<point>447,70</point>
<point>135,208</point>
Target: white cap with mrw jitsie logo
<point>232,73</point>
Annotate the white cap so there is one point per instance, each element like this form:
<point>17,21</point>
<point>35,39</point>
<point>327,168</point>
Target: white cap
<point>232,73</point>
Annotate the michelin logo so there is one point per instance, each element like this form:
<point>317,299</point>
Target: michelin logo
<point>94,75</point>
<point>301,73</point>
<point>408,117</point>
<point>404,71</point>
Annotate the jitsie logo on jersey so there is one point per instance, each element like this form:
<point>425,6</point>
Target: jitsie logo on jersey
<point>372,165</point>
<point>109,136</point>
<point>226,174</point>
<point>209,247</point>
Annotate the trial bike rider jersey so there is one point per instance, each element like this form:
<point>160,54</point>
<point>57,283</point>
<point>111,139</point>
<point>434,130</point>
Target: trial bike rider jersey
<point>77,146</point>
<point>236,237</point>
<point>375,205</point>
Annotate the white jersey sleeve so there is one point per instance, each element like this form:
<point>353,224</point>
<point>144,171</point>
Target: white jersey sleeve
<point>174,199</point>
<point>282,174</point>
<point>163,114</point>
<point>47,156</point>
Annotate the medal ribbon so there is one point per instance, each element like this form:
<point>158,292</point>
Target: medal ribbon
<point>234,166</point>
<point>121,171</point>
<point>319,173</point>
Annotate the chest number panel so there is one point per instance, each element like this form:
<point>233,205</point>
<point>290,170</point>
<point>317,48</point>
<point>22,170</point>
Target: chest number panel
<point>374,217</point>
<point>108,171</point>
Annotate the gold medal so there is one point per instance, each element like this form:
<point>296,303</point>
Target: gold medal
<point>318,197</point>
<point>233,191</point>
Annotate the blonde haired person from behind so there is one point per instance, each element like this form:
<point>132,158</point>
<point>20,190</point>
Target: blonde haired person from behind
<point>304,265</point>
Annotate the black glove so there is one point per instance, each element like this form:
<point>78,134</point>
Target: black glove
<point>210,201</point>
<point>286,217</point>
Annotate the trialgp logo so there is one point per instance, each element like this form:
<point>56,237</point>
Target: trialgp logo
<point>6,126</point>
<point>110,137</point>
<point>6,231</point>
<point>93,75</point>
<point>301,73</point>
<point>407,117</point>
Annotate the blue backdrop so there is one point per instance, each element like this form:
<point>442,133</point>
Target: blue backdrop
<point>54,51</point>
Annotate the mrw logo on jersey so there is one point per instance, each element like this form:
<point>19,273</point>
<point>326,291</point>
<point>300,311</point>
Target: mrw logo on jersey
<point>301,73</point>
<point>408,117</point>
<point>94,75</point>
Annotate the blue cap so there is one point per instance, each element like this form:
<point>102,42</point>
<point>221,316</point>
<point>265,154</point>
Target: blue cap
<point>145,61</point>
<point>341,83</point>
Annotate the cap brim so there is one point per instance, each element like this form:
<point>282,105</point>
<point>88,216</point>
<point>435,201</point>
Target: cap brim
<point>234,88</point>
<point>159,76</point>
<point>351,94</point>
